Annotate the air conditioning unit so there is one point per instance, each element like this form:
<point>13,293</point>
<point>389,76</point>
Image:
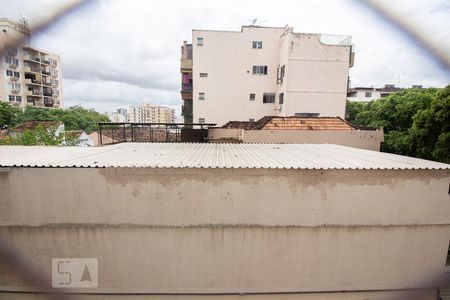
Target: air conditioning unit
<point>12,66</point>
<point>15,91</point>
<point>14,78</point>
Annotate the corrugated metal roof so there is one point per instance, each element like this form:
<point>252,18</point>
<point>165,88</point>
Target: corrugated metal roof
<point>183,155</point>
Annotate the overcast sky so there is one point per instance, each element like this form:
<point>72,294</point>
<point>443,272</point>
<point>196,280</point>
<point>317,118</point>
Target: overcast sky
<point>120,53</point>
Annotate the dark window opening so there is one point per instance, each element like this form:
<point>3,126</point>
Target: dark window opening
<point>269,98</point>
<point>307,115</point>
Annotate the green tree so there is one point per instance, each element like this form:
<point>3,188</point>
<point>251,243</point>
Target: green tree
<point>415,121</point>
<point>9,115</point>
<point>74,118</point>
<point>430,131</point>
<point>38,136</point>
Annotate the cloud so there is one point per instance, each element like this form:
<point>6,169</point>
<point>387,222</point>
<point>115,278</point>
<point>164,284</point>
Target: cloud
<point>120,53</point>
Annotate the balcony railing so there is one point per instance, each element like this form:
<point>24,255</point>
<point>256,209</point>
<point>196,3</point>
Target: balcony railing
<point>45,72</point>
<point>32,81</point>
<point>29,70</point>
<point>32,58</point>
<point>186,88</point>
<point>186,63</point>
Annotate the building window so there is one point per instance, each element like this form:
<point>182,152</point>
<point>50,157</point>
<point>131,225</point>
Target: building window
<point>281,98</point>
<point>7,59</point>
<point>17,74</point>
<point>257,45</point>
<point>201,120</point>
<point>307,115</point>
<point>260,70</point>
<point>252,97</point>
<point>18,99</point>
<point>251,120</point>
<point>11,98</point>
<point>280,73</point>
<point>269,98</point>
<point>368,94</point>
<point>199,41</point>
<point>9,73</point>
<point>204,75</point>
<point>201,96</point>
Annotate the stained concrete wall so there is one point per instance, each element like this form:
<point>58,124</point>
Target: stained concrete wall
<point>362,139</point>
<point>230,231</point>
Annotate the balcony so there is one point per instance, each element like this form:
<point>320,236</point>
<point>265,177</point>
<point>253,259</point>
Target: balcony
<point>45,72</point>
<point>32,81</point>
<point>186,65</point>
<point>34,93</point>
<point>48,102</point>
<point>48,93</point>
<point>46,83</point>
<point>31,58</point>
<point>186,88</point>
<point>45,61</point>
<point>31,70</point>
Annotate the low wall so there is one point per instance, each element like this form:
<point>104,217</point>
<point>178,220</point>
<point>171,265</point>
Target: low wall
<point>363,139</point>
<point>230,231</point>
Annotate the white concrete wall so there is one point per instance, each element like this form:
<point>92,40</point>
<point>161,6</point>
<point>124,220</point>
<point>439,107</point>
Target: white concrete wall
<point>315,80</point>
<point>317,77</point>
<point>230,231</point>
<point>362,139</point>
<point>361,96</point>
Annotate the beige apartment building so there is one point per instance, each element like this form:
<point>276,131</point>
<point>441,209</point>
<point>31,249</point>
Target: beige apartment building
<point>28,76</point>
<point>148,113</point>
<point>264,71</point>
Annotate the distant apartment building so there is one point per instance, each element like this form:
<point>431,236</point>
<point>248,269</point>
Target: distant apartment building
<point>148,113</point>
<point>119,116</point>
<point>264,71</point>
<point>28,76</point>
<point>366,94</point>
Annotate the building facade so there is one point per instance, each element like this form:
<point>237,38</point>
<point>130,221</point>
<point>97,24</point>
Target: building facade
<point>28,76</point>
<point>366,94</point>
<point>148,113</point>
<point>119,116</point>
<point>264,71</point>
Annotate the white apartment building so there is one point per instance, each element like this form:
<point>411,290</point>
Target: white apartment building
<point>119,116</point>
<point>367,94</point>
<point>268,71</point>
<point>148,113</point>
<point>28,76</point>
